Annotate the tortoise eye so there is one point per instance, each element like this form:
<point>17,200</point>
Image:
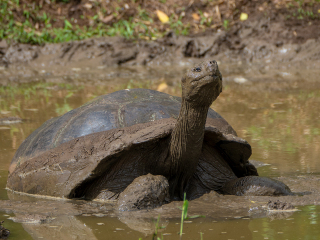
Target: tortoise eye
<point>197,69</point>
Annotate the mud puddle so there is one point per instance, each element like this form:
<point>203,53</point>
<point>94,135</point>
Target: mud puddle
<point>277,112</point>
<point>264,40</point>
<point>271,227</point>
<point>97,222</point>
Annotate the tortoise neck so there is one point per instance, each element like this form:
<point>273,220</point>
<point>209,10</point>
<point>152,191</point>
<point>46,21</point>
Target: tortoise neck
<point>187,137</point>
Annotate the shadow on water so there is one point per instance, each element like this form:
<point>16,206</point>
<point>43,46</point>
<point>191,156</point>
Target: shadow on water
<point>277,114</point>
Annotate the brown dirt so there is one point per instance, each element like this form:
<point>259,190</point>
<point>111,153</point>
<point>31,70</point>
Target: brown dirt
<point>286,14</point>
<point>277,205</point>
<point>272,34</point>
<point>257,42</point>
<point>82,12</point>
<point>212,205</point>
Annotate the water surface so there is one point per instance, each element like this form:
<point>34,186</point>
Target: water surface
<point>276,112</point>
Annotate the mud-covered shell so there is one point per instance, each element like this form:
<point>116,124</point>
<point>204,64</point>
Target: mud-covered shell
<point>99,148</point>
<point>116,110</point>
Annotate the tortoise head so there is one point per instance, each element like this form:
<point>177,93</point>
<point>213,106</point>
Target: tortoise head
<point>202,84</point>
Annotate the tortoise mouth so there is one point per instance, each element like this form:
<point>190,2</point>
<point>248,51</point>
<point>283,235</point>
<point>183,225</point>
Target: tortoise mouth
<point>208,79</point>
<point>214,77</point>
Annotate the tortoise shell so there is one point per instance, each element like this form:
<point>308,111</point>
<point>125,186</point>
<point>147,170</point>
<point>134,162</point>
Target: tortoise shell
<point>119,109</point>
<point>108,142</point>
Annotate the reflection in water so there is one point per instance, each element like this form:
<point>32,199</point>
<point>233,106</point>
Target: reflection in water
<point>280,118</point>
<point>62,228</point>
<point>210,228</point>
<point>298,225</point>
<point>295,225</point>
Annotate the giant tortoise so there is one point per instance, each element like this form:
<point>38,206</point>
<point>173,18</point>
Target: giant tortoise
<point>98,149</point>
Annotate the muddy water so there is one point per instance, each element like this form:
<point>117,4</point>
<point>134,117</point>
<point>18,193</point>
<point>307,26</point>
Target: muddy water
<point>276,111</point>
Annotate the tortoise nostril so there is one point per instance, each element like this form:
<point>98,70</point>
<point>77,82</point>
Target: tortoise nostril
<point>212,65</point>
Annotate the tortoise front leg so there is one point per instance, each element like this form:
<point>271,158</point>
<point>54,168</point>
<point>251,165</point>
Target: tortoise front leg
<point>255,186</point>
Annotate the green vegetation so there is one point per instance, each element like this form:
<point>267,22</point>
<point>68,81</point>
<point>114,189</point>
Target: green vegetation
<point>157,227</point>
<point>303,9</point>
<point>65,107</point>
<point>184,216</point>
<point>226,24</point>
<point>184,213</point>
<point>36,27</point>
<point>25,32</point>
<point>56,21</point>
<point>178,27</point>
<point>301,13</point>
<point>33,94</point>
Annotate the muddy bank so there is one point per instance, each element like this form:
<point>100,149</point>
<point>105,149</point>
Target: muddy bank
<point>259,41</point>
<point>44,214</point>
<point>211,205</point>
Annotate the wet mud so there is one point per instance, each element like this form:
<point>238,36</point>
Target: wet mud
<point>4,233</point>
<point>280,206</point>
<point>257,41</point>
<point>44,213</point>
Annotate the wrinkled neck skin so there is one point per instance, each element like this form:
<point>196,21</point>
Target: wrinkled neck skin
<point>186,142</point>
